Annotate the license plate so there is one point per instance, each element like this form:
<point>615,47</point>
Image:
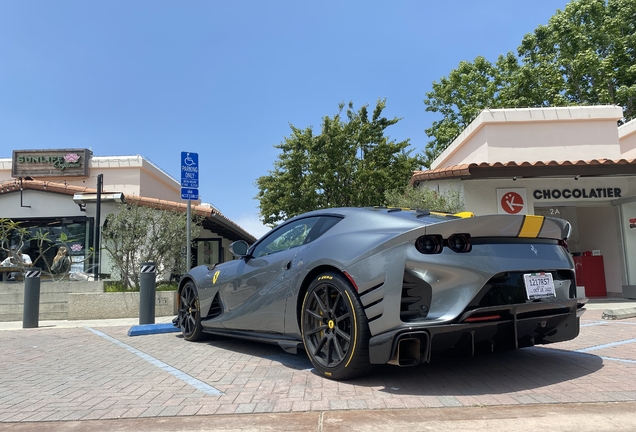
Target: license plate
<point>539,285</point>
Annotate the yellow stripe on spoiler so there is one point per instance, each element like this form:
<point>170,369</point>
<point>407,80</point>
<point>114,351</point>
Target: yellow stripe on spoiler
<point>531,226</point>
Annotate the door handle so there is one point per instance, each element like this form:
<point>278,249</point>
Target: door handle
<point>287,266</point>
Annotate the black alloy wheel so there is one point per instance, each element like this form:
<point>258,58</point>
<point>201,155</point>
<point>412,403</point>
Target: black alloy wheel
<point>334,328</point>
<point>189,313</point>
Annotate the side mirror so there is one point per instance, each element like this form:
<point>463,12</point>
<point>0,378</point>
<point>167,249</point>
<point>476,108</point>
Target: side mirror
<point>239,248</point>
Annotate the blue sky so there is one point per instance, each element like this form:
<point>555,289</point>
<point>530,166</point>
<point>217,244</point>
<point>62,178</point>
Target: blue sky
<point>225,79</point>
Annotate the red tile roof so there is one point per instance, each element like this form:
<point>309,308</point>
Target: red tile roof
<point>592,167</point>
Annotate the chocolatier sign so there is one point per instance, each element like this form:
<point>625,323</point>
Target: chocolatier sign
<point>604,192</point>
<point>50,163</point>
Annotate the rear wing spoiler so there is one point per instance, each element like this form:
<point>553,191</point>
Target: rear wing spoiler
<point>521,226</point>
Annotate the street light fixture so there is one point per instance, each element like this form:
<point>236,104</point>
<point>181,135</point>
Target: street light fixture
<point>84,198</point>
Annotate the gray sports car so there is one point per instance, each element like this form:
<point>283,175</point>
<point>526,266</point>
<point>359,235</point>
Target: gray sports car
<point>357,287</point>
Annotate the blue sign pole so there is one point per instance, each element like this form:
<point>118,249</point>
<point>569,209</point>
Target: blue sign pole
<point>189,191</point>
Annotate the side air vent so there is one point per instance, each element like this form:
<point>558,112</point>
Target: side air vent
<point>215,309</point>
<point>416,298</point>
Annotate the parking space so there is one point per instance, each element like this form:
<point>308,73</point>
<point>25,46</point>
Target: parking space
<point>97,372</point>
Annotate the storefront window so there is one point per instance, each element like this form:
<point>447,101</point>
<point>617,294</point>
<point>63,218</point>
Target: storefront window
<point>209,252</point>
<point>74,233</point>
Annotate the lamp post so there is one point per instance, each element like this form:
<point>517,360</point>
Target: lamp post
<point>81,199</point>
<point>98,209</point>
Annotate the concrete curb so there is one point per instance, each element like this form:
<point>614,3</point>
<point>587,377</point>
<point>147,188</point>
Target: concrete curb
<point>147,329</point>
<point>582,417</point>
<point>617,314</point>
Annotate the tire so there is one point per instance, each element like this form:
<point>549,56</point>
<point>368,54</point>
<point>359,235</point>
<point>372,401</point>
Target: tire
<point>334,328</point>
<point>190,313</point>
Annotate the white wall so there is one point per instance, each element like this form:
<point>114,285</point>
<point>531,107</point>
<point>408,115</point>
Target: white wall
<point>474,150</point>
<point>536,134</point>
<point>5,169</point>
<point>627,139</point>
<point>152,185</point>
<point>42,204</point>
<point>558,141</point>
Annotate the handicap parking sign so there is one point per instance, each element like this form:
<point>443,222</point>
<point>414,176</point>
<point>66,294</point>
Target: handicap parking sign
<point>189,170</point>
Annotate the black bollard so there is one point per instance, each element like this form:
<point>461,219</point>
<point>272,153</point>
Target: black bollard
<point>31,312</point>
<point>147,288</point>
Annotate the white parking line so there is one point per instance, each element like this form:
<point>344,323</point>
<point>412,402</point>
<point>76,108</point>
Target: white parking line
<point>619,360</point>
<point>199,385</point>
<point>609,345</point>
<point>594,324</point>
<point>608,322</point>
<point>583,352</point>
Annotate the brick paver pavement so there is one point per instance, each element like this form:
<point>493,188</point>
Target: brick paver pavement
<point>101,373</point>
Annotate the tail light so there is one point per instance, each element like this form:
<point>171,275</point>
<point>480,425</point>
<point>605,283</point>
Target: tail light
<point>429,244</point>
<point>482,318</point>
<point>459,243</point>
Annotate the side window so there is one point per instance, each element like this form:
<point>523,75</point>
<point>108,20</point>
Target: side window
<point>287,237</point>
<point>322,226</point>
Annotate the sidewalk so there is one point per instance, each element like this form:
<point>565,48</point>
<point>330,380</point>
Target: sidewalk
<point>536,418</point>
<point>610,303</point>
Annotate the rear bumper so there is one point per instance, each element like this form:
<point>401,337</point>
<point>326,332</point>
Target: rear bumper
<point>490,329</point>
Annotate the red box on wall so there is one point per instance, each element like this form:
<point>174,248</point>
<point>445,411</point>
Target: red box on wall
<point>590,273</point>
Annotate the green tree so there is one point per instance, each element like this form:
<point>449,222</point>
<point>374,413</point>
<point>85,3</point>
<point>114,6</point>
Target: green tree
<point>469,89</point>
<point>136,234</point>
<point>352,162</point>
<point>424,198</point>
<point>585,55</point>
